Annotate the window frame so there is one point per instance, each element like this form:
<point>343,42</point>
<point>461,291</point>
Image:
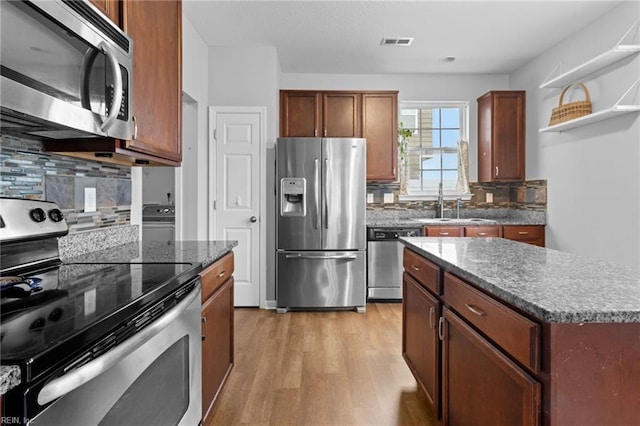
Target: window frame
<point>432,194</point>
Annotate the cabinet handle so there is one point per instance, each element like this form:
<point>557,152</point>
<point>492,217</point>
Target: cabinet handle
<point>497,171</point>
<point>523,233</point>
<point>325,132</point>
<point>204,328</point>
<point>482,233</point>
<point>135,127</point>
<point>441,328</point>
<point>432,312</point>
<point>443,233</point>
<point>415,268</point>
<point>221,274</point>
<point>315,132</point>
<point>475,310</point>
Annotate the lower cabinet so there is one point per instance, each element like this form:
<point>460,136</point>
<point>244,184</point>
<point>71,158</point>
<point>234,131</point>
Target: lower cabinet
<point>480,385</point>
<point>217,330</point>
<point>531,234</point>
<point>420,342</point>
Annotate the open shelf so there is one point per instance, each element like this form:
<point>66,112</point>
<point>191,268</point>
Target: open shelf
<point>618,52</point>
<point>614,111</point>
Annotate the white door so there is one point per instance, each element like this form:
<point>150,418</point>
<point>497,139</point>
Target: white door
<point>236,170</point>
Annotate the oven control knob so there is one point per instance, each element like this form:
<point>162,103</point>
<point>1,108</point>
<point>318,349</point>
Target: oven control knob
<point>55,215</point>
<point>37,215</point>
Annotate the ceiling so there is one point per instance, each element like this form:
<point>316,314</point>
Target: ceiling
<point>313,36</point>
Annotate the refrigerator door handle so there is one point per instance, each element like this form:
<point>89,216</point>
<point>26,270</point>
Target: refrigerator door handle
<point>320,257</point>
<point>316,195</point>
<point>325,188</point>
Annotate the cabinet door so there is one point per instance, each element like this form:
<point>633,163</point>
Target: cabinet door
<point>217,344</point>
<point>380,128</point>
<point>483,231</point>
<point>156,30</point>
<point>501,136</point>
<point>480,385</point>
<point>532,234</point>
<point>111,8</point>
<point>300,113</point>
<point>341,115</point>
<point>420,343</point>
<point>443,231</point>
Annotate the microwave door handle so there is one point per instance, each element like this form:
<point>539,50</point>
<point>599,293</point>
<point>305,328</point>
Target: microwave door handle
<point>85,74</point>
<point>74,379</point>
<point>117,88</point>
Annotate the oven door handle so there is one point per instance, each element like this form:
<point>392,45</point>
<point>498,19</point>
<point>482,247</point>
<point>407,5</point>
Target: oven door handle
<point>74,379</point>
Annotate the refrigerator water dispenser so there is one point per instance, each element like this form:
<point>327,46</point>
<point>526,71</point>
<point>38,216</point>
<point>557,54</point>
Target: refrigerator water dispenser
<point>292,197</point>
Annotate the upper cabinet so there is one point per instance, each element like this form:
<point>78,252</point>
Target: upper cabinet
<point>501,136</point>
<point>156,30</point>
<point>347,114</point>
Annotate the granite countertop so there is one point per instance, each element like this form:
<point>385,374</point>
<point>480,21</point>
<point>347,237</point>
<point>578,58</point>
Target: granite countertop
<point>391,223</point>
<point>551,285</point>
<point>407,218</point>
<point>204,252</point>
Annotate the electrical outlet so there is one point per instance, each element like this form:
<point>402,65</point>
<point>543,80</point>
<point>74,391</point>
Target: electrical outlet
<point>370,197</point>
<point>489,197</point>
<point>89,199</point>
<point>388,197</point>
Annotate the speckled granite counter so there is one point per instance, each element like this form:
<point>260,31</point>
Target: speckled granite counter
<point>205,252</point>
<point>405,218</point>
<point>553,286</point>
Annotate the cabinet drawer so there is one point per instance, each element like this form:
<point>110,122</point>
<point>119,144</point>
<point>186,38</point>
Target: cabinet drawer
<point>215,275</point>
<point>532,234</point>
<point>482,231</point>
<point>426,273</point>
<point>443,231</point>
<point>517,335</point>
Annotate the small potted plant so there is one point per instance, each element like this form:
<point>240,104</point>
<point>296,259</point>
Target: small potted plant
<point>403,142</point>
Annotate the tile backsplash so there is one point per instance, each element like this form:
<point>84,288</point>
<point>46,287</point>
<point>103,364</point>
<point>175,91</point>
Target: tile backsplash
<point>29,172</point>
<point>528,195</point>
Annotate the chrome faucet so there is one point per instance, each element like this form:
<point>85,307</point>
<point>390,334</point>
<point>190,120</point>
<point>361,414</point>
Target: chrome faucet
<point>441,200</point>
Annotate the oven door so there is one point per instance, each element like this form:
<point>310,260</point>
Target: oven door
<point>152,378</point>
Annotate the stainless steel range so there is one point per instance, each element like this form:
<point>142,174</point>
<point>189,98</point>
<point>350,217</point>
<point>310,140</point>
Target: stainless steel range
<point>95,343</point>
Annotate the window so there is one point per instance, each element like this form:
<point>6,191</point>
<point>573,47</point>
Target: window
<point>436,151</point>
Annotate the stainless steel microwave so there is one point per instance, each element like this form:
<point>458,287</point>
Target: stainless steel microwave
<point>66,71</point>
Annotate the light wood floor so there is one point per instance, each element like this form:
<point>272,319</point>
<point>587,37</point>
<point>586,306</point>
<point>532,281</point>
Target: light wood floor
<point>321,368</point>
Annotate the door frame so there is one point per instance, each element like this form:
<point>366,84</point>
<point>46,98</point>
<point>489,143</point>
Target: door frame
<point>262,157</point>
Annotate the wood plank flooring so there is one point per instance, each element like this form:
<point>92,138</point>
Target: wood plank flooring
<point>321,368</point>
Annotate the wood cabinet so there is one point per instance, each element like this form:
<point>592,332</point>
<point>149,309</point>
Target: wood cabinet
<point>483,231</point>
<point>156,30</point>
<point>217,330</point>
<point>420,342</point>
<point>380,128</point>
<point>480,385</point>
<point>501,136</point>
<point>443,231</point>
<point>532,234</point>
<point>111,8</point>
<point>334,113</point>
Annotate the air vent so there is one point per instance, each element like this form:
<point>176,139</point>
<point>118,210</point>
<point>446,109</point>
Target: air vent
<point>396,41</point>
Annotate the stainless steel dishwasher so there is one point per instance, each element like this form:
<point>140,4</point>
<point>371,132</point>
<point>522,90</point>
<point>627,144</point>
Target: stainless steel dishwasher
<point>384,262</point>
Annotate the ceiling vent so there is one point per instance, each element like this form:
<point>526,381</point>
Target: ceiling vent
<point>396,41</point>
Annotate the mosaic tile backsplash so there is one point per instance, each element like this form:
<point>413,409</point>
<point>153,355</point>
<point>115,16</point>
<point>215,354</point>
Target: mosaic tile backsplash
<point>29,172</point>
<point>529,195</point>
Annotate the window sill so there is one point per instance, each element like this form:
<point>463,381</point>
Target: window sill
<point>433,197</point>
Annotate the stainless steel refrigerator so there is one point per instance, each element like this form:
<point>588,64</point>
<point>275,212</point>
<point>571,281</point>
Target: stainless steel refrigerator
<point>321,229</point>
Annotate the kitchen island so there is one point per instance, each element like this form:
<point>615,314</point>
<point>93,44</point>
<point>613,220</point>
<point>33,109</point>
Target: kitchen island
<point>500,332</point>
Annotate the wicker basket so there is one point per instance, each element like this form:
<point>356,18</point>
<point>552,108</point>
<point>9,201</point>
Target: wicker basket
<point>566,112</point>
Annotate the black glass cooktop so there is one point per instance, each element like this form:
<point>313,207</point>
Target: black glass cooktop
<point>71,306</point>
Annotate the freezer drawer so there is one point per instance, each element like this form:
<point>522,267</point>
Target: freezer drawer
<point>320,279</point>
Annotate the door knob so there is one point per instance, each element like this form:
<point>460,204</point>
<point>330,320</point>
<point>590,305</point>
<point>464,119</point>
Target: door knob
<point>253,219</point>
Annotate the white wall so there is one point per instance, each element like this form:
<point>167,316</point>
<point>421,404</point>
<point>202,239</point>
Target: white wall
<point>156,183</point>
<point>194,171</point>
<point>250,76</point>
<point>592,172</point>
<point>412,87</point>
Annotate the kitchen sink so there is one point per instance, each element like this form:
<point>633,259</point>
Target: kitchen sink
<point>453,221</point>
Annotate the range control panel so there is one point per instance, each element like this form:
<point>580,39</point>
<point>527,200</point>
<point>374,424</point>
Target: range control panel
<point>23,219</point>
